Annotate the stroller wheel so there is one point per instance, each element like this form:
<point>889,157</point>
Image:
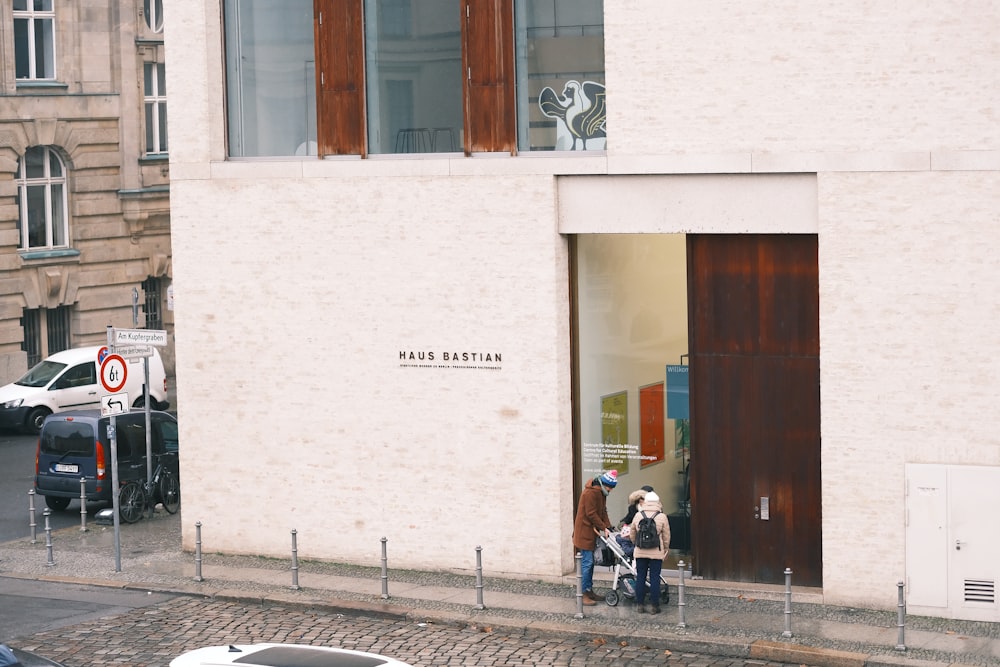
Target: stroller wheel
<point>611,597</point>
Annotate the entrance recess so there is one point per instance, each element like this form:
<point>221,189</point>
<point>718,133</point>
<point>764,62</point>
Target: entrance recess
<point>753,317</point>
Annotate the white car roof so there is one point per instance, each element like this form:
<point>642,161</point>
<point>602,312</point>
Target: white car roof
<point>282,655</point>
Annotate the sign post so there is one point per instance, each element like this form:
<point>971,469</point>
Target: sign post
<point>111,366</point>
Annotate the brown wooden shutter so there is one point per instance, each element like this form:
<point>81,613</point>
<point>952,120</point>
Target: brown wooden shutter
<point>488,65</point>
<point>340,77</point>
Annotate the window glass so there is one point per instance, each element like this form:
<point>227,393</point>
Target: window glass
<point>154,96</point>
<point>414,76</point>
<point>270,77</point>
<point>41,199</point>
<point>560,75</point>
<point>154,14</point>
<point>34,41</point>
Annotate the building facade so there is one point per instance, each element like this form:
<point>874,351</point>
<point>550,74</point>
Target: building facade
<point>84,207</point>
<point>452,259</point>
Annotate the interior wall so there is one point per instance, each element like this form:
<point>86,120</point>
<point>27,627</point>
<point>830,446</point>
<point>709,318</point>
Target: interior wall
<point>632,323</point>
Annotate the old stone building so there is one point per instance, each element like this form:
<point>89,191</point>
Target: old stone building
<point>84,176</point>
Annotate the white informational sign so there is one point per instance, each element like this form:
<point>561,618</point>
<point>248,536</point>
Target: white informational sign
<point>114,404</point>
<point>134,351</point>
<point>157,337</point>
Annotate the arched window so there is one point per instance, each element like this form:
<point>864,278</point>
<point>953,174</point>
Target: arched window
<point>41,200</point>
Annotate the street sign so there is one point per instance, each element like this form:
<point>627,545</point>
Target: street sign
<point>114,370</point>
<point>114,404</point>
<point>157,337</point>
<point>134,351</point>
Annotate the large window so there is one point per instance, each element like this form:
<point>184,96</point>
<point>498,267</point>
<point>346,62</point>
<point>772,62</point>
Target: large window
<point>34,39</point>
<point>560,75</point>
<point>414,74</point>
<point>155,100</point>
<point>271,80</point>
<point>41,200</point>
<point>401,76</point>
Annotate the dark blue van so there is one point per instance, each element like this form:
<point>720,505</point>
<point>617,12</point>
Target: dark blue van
<point>75,444</point>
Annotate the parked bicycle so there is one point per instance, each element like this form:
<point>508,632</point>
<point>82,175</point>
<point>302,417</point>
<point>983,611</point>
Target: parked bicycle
<point>136,496</point>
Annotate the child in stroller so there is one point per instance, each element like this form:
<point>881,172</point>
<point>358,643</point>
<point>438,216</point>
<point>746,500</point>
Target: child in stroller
<point>618,550</point>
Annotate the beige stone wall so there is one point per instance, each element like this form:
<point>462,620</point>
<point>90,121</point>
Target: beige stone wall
<point>118,201</point>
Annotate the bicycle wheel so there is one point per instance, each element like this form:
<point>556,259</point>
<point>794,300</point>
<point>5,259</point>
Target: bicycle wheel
<point>170,492</point>
<point>131,502</point>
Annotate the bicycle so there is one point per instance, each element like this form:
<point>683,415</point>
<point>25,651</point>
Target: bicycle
<point>136,496</point>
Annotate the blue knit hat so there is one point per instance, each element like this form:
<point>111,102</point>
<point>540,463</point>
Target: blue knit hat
<point>609,479</point>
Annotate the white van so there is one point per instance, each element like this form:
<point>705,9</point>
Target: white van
<point>68,380</point>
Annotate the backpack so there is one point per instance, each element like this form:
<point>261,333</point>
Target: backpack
<point>647,537</point>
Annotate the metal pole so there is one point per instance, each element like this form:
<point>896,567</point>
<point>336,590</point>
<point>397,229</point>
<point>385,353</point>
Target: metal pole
<point>579,585</point>
<point>31,516</point>
<point>901,620</point>
<point>197,552</point>
<point>295,562</point>
<point>115,489</point>
<point>479,578</point>
<point>681,604</point>
<point>83,504</point>
<point>385,570</point>
<point>48,536</point>
<point>788,603</point>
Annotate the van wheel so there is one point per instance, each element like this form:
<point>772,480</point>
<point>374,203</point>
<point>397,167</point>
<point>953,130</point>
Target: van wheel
<point>139,402</point>
<point>35,419</point>
<point>56,504</point>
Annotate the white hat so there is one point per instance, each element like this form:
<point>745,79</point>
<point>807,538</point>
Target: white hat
<point>651,497</point>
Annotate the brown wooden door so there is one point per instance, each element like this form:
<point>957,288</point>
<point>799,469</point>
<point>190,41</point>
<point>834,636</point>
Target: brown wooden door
<point>754,380</point>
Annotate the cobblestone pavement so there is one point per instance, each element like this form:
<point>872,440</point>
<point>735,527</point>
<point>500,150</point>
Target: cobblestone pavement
<point>153,636</point>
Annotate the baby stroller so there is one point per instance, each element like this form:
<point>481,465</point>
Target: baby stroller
<point>622,565</point>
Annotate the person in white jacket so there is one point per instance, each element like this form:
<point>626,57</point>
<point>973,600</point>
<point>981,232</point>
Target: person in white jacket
<point>649,561</point>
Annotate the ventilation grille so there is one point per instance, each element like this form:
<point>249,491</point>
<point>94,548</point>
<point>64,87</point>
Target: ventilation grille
<point>980,590</point>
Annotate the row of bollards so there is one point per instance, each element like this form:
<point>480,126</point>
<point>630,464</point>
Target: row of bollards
<point>681,597</point>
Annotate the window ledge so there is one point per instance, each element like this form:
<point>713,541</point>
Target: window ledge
<point>50,256</point>
<point>41,84</point>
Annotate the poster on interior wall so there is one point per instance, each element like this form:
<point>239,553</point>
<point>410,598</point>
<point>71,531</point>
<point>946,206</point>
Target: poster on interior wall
<point>651,424</point>
<point>682,437</point>
<point>614,431</point>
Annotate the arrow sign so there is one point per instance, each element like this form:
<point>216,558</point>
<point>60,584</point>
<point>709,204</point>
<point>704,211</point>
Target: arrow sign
<point>114,404</point>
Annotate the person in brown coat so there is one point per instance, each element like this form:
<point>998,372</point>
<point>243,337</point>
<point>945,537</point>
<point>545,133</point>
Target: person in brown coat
<point>592,518</point>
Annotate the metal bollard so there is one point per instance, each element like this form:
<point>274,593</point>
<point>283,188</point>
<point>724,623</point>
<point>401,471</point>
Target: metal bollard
<point>31,516</point>
<point>83,504</point>
<point>901,618</point>
<point>579,585</point>
<point>788,603</point>
<point>197,552</point>
<point>479,578</point>
<point>48,536</point>
<point>681,604</point>
<point>385,571</point>
<point>295,563</point>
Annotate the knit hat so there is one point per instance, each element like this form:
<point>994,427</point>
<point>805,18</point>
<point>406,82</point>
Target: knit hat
<point>651,497</point>
<point>609,479</point>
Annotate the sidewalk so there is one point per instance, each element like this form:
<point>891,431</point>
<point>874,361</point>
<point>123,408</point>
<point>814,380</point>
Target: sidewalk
<point>741,621</point>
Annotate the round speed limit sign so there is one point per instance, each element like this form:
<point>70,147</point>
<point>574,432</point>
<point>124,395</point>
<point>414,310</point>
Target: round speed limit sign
<point>114,370</point>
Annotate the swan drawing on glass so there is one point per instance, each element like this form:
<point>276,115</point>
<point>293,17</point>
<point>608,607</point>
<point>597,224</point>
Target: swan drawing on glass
<point>581,112</point>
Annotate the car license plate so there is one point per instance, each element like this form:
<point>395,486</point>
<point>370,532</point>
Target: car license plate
<point>67,467</point>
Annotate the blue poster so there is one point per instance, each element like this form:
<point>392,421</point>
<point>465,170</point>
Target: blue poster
<point>678,396</point>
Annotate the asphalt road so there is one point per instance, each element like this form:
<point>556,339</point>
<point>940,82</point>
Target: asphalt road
<point>17,473</point>
<point>154,635</point>
<point>28,607</point>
